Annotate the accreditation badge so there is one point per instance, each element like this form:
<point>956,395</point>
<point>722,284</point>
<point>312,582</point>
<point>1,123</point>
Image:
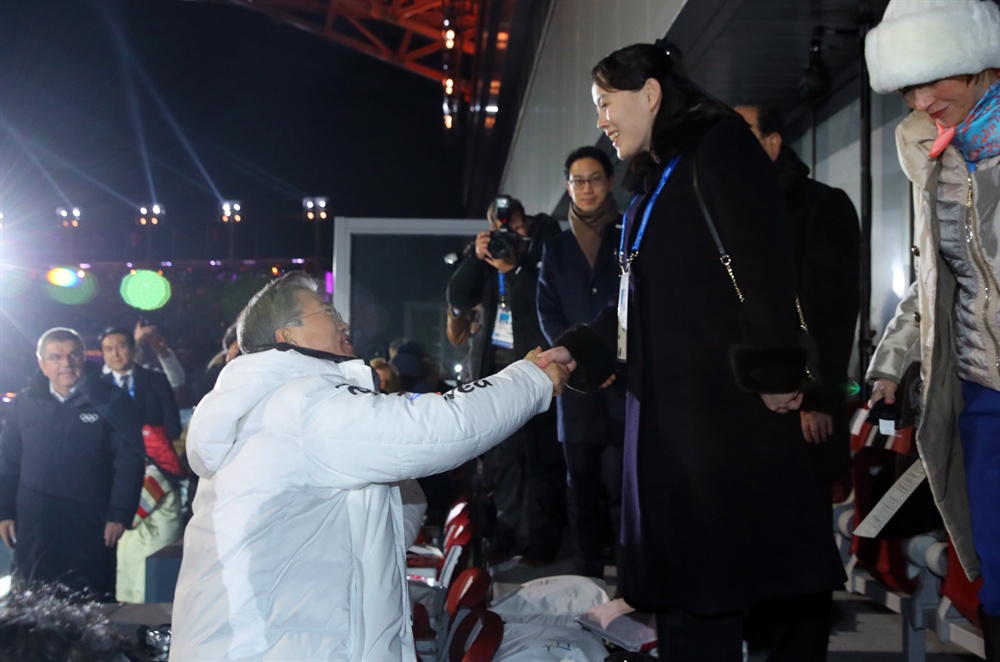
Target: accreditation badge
<point>503,328</point>
<point>623,315</point>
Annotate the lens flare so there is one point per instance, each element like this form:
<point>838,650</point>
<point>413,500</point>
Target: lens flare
<point>70,287</point>
<point>145,290</point>
<point>852,388</point>
<point>62,277</point>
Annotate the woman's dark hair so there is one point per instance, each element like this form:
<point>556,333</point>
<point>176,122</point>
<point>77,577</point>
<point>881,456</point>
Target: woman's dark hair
<point>685,109</point>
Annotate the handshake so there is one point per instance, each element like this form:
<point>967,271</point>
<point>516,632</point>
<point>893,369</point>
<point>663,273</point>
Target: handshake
<point>557,364</point>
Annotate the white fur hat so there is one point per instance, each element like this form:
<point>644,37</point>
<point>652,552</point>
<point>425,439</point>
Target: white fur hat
<point>919,41</point>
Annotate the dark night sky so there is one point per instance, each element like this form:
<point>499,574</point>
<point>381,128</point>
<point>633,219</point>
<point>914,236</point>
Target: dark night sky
<point>271,112</point>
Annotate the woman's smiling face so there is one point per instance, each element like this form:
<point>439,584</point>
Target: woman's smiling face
<point>948,100</point>
<point>626,116</point>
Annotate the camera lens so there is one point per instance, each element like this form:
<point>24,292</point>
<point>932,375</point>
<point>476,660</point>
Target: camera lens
<point>501,243</point>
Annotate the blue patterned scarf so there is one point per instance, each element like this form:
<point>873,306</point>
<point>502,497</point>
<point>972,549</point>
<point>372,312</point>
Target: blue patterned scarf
<point>978,137</point>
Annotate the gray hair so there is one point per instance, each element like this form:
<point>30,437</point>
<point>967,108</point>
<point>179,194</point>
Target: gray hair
<point>59,334</point>
<point>275,306</point>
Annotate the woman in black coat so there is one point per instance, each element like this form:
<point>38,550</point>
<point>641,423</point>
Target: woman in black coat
<point>721,511</point>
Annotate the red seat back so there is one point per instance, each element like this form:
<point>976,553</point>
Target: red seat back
<point>484,645</point>
<point>470,589</point>
<point>964,595</point>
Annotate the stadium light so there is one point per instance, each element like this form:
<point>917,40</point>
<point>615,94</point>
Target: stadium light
<point>69,217</point>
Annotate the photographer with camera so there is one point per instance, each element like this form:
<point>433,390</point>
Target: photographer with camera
<point>526,472</point>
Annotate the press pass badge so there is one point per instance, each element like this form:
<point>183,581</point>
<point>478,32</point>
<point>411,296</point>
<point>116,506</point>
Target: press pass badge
<point>623,316</point>
<point>503,328</point>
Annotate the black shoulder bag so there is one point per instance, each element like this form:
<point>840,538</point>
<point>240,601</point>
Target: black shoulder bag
<point>806,341</point>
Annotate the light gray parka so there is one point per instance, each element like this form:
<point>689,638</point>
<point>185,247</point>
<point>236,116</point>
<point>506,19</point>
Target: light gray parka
<point>924,326</point>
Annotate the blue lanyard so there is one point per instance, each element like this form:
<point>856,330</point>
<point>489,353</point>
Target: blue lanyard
<point>503,289</point>
<point>669,170</point>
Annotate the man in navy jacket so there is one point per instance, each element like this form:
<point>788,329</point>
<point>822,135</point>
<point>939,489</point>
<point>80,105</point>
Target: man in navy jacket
<point>577,280</point>
<point>71,468</point>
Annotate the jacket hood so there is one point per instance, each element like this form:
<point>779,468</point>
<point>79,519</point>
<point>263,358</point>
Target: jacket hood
<point>242,384</point>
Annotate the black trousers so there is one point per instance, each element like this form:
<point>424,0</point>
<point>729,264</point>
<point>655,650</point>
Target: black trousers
<point>795,629</point>
<point>593,503</point>
<point>526,475</point>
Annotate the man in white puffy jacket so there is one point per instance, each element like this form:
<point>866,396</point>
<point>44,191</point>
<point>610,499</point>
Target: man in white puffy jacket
<point>295,550</point>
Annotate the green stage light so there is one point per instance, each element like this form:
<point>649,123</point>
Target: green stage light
<point>145,290</point>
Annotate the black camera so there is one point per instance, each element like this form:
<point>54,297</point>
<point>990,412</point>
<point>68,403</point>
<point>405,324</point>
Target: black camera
<point>503,239</point>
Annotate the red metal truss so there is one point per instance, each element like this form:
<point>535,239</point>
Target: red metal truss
<point>407,33</point>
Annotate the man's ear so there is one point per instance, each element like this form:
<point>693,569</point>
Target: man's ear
<point>772,143</point>
<point>282,335</point>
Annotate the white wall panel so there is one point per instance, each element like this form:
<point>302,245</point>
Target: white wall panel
<point>558,114</point>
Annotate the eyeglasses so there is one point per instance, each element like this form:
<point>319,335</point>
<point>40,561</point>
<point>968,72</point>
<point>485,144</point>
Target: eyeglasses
<point>327,310</point>
<point>72,358</point>
<point>581,182</point>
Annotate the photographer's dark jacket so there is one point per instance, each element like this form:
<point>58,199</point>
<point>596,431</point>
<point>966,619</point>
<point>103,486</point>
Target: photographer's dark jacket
<point>570,291</point>
<point>720,507</point>
<point>475,282</point>
<point>66,469</point>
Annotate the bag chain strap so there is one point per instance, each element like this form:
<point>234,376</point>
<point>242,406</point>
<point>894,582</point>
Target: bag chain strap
<point>724,257</point>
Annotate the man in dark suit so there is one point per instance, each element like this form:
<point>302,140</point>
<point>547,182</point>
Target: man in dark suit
<point>578,279</point>
<point>158,521</point>
<point>149,389</point>
<point>827,248</point>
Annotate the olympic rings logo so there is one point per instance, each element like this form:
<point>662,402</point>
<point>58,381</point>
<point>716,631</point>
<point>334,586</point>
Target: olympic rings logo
<point>89,418</point>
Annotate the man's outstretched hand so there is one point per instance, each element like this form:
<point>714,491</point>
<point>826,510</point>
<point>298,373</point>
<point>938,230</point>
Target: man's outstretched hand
<point>557,371</point>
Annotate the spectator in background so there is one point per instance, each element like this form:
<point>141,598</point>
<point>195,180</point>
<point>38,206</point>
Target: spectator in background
<point>230,350</point>
<point>296,547</point>
<point>158,521</point>
<point>826,245</point>
<point>387,375</point>
<point>71,469</point>
<point>578,278</point>
<point>943,56</point>
<point>172,368</point>
<point>526,474</point>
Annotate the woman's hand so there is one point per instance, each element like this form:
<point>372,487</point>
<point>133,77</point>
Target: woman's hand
<point>782,402</point>
<point>884,389</point>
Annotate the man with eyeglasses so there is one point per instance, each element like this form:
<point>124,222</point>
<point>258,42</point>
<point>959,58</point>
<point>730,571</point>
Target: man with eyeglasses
<point>525,475</point>
<point>579,277</point>
<point>296,550</point>
<point>71,467</point>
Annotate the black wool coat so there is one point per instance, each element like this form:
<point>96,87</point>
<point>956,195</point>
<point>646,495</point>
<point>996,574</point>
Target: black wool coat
<point>826,244</point>
<point>570,292</point>
<point>66,469</point>
<point>475,282</point>
<point>720,508</point>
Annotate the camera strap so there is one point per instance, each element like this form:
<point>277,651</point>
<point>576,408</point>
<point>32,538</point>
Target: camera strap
<point>503,324</point>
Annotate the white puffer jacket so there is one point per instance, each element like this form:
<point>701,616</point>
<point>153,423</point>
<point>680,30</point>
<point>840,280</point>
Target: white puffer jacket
<point>295,550</point>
